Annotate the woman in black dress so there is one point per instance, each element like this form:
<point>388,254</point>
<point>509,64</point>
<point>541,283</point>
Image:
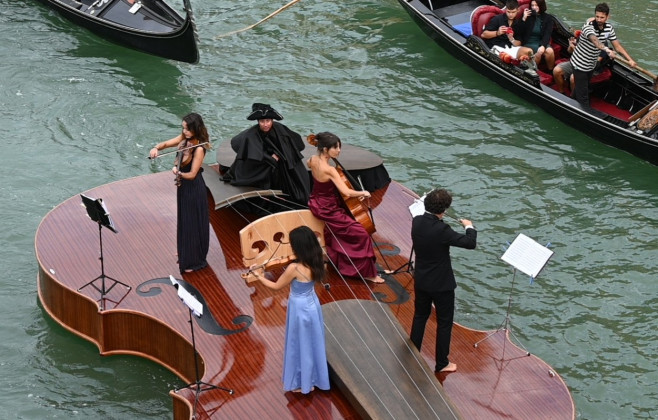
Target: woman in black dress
<point>193,229</point>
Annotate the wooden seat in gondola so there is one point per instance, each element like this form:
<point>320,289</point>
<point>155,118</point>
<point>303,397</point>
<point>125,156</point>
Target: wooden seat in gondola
<point>649,122</point>
<point>481,16</point>
<point>545,78</point>
<point>603,76</point>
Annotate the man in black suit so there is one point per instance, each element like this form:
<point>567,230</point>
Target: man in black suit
<point>434,281</point>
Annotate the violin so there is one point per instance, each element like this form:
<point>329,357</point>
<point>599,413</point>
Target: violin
<point>178,160</point>
<point>184,156</point>
<point>250,275</point>
<point>184,151</point>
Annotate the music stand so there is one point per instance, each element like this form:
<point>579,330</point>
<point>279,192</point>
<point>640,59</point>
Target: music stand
<point>416,208</point>
<point>407,267</point>
<point>195,307</point>
<point>97,212</point>
<point>529,257</point>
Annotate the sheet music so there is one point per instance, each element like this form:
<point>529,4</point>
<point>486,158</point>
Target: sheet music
<point>110,224</point>
<point>190,301</point>
<point>418,206</point>
<point>100,200</point>
<point>526,255</point>
<point>173,281</point>
<point>95,205</point>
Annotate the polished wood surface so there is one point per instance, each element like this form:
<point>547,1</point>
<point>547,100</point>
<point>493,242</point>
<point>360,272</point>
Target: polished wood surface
<point>375,364</point>
<point>224,194</point>
<point>240,337</point>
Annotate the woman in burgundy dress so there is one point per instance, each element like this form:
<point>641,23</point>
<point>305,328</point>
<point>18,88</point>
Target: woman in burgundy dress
<point>348,244</point>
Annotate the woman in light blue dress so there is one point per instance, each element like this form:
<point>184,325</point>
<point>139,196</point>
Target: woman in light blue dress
<point>305,357</point>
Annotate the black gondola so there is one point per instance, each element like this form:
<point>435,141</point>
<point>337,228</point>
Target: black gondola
<point>150,26</point>
<point>623,100</point>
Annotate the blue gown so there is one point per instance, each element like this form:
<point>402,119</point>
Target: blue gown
<point>304,355</point>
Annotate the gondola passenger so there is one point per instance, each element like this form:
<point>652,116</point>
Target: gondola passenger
<point>499,33</point>
<point>535,33</point>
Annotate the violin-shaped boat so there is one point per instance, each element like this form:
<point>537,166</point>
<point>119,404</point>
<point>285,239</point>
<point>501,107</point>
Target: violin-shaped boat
<point>151,26</point>
<point>229,352</point>
<point>624,101</point>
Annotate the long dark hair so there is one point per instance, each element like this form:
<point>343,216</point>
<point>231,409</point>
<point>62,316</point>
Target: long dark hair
<point>541,4</point>
<point>308,251</point>
<point>326,140</point>
<point>197,127</point>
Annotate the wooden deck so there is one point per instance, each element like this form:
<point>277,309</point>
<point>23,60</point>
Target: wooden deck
<point>240,336</point>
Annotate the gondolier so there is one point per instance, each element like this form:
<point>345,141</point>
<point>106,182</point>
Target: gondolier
<point>592,41</point>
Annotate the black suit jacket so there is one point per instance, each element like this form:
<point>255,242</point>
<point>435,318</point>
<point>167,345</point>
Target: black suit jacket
<point>432,239</point>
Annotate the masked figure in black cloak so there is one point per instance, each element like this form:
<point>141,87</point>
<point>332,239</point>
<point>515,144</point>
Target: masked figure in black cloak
<point>269,156</point>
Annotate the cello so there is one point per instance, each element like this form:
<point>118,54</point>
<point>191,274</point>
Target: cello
<point>356,206</point>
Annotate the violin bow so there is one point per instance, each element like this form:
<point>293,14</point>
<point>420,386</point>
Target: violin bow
<point>177,150</point>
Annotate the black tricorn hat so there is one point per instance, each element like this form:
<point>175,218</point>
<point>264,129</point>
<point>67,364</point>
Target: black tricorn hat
<point>262,112</point>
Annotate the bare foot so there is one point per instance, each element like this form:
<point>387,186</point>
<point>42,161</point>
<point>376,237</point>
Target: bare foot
<point>377,280</point>
<point>298,390</point>
<point>450,368</point>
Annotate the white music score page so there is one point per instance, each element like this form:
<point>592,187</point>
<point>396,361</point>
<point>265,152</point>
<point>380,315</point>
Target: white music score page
<point>527,255</point>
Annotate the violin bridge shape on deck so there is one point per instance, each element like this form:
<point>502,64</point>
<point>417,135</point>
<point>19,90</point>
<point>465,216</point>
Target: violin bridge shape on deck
<point>266,239</point>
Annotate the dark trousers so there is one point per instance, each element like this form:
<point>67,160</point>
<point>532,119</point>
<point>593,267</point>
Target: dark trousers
<point>444,303</point>
<point>581,88</point>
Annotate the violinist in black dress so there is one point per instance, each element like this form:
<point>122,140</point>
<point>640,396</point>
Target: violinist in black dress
<point>434,280</point>
<point>193,227</point>
<point>268,155</point>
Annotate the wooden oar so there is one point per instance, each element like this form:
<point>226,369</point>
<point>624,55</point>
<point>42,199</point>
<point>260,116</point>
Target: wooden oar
<point>638,68</point>
<point>281,9</point>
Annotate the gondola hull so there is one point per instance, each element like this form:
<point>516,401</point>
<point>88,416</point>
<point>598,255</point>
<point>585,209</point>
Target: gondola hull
<point>434,18</point>
<point>151,26</point>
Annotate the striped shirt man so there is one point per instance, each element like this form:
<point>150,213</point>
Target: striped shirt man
<point>585,57</point>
